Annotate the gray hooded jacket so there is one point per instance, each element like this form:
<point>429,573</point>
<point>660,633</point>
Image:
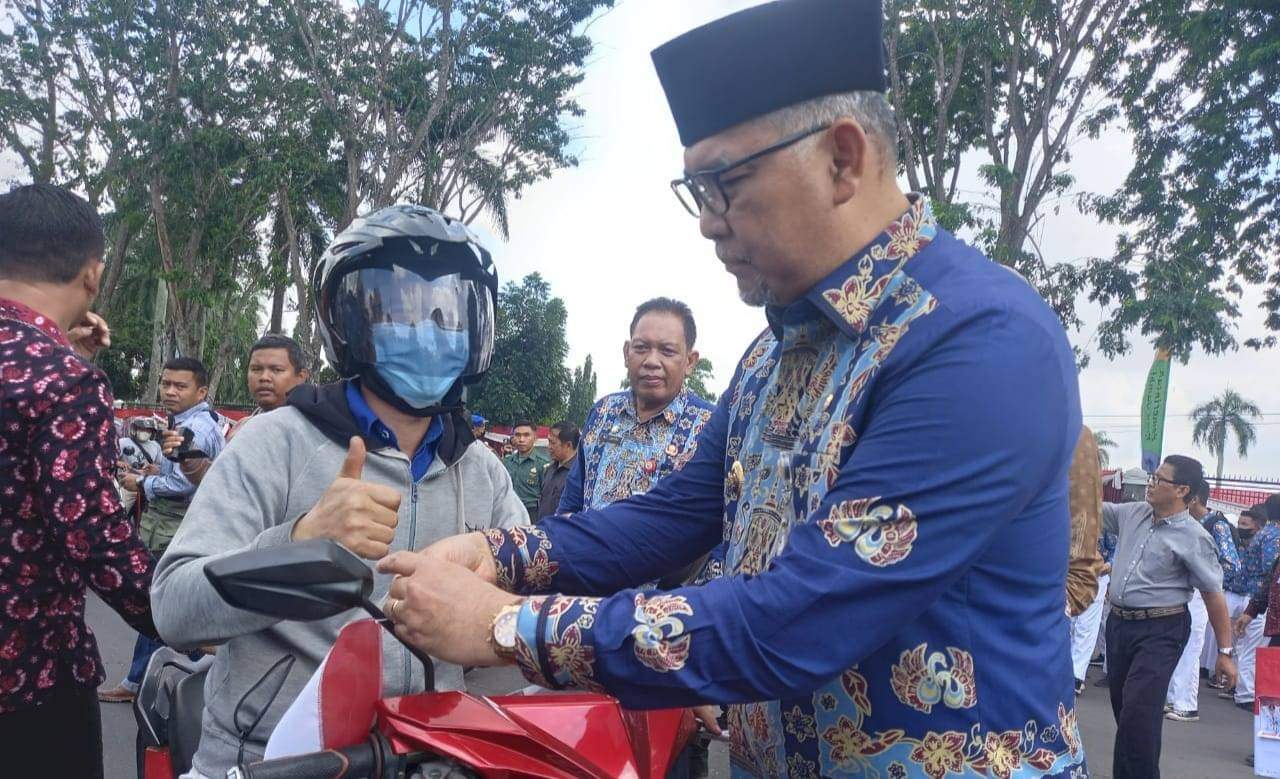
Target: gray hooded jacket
<point>272,473</point>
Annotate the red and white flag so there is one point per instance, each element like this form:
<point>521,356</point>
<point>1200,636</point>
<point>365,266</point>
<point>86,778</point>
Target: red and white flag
<point>336,707</point>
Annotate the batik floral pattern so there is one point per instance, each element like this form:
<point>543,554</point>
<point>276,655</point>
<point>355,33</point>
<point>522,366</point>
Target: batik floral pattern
<point>523,559</point>
<point>850,746</point>
<point>570,659</point>
<point>881,535</point>
<point>858,297</point>
<point>922,682</point>
<point>660,641</point>
<point>938,754</point>
<point>62,526</point>
<point>1001,754</point>
<point>1070,729</point>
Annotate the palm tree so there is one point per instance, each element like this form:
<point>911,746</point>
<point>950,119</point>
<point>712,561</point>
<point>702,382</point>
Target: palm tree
<point>1228,414</point>
<point>1104,442</point>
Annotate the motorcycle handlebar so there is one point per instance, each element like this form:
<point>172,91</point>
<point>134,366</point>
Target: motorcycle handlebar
<point>357,762</point>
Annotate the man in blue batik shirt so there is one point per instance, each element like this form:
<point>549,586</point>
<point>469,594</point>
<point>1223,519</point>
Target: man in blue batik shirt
<point>633,438</point>
<point>888,450</point>
<point>1255,562</point>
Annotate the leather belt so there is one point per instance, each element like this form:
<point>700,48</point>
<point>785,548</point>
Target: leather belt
<point>1161,611</point>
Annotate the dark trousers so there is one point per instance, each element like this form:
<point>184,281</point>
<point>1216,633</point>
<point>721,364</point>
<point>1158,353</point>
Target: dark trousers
<point>61,737</point>
<point>1141,656</point>
<point>143,649</point>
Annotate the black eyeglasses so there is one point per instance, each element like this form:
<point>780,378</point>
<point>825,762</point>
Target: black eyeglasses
<point>1156,478</point>
<point>703,189</point>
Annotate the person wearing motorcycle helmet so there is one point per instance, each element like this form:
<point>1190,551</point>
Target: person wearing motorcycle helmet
<point>383,460</point>
<point>141,446</point>
<point>139,453</point>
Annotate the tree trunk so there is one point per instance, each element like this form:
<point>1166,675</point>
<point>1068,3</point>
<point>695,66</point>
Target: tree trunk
<point>219,367</point>
<point>115,264</point>
<point>277,309</point>
<point>159,341</point>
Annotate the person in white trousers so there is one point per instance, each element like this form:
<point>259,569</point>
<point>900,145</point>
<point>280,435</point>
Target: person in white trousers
<point>1246,528</point>
<point>1085,630</point>
<point>1183,698</point>
<point>1254,563</point>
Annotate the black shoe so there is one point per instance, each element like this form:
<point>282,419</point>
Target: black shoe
<point>1102,682</point>
<point>1249,760</point>
<point>1096,661</point>
<point>1245,706</point>
<point>1079,687</point>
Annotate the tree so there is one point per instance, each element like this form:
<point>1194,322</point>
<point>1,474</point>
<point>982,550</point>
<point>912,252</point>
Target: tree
<point>1226,415</point>
<point>582,393</point>
<point>1105,443</point>
<point>1200,84</point>
<point>224,144</point>
<point>528,377</point>
<point>697,381</point>
<point>1016,82</point>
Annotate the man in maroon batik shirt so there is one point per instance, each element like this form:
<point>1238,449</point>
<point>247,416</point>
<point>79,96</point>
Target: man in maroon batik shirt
<point>62,527</point>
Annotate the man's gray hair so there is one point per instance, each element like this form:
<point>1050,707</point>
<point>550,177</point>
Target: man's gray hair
<point>870,109</point>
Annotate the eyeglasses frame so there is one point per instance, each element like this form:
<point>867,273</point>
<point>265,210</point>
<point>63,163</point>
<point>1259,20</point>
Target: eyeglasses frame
<point>712,175</point>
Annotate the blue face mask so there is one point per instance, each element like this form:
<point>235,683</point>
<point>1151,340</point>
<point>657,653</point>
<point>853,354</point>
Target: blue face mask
<point>419,362</point>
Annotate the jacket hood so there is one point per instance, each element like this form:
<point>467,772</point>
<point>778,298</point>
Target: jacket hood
<point>325,406</point>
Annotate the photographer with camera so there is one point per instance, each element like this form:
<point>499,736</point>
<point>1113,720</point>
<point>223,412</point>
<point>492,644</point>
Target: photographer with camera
<point>277,364</point>
<point>184,391</point>
<point>382,461</point>
<point>140,454</point>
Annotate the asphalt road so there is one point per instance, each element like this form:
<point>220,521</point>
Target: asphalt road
<point>1213,748</point>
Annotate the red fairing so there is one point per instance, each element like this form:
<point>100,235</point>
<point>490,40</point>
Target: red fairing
<point>156,764</point>
<point>548,736</point>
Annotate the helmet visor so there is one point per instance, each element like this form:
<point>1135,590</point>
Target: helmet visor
<point>368,299</point>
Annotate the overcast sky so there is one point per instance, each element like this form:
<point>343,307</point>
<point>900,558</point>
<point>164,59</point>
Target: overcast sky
<point>609,234</point>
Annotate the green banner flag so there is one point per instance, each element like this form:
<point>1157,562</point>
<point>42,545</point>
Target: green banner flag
<point>1153,403</point>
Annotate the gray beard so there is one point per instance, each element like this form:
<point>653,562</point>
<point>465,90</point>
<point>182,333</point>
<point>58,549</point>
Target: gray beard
<point>757,296</point>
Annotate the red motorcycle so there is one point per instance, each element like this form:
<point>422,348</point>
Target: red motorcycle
<point>433,735</point>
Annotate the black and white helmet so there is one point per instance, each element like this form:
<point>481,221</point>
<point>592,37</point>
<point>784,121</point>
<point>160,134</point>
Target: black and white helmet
<point>404,265</point>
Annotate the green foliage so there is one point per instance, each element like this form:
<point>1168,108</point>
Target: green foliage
<point>225,143</point>
<point>582,393</point>
<point>1228,415</point>
<point>1200,85</point>
<point>1105,444</point>
<point>1011,84</point>
<point>697,381</point>
<point>528,377</point>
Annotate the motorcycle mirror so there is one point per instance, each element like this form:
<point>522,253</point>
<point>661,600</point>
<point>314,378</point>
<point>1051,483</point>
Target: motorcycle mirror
<point>304,581</point>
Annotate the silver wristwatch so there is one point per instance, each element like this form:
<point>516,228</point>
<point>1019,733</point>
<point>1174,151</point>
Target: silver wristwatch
<point>1227,651</point>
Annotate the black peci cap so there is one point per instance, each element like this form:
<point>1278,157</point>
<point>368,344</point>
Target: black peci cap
<point>767,57</point>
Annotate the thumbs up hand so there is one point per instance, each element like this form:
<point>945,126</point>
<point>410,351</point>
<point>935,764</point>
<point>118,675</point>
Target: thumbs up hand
<point>359,515</point>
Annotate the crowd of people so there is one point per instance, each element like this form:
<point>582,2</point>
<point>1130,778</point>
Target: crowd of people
<point>1181,598</point>
<point>836,551</point>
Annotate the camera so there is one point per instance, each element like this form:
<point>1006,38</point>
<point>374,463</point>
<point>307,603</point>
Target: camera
<point>186,450</point>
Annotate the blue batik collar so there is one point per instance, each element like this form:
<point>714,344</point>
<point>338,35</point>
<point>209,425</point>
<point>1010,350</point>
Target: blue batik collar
<point>671,413</point>
<point>850,294</point>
